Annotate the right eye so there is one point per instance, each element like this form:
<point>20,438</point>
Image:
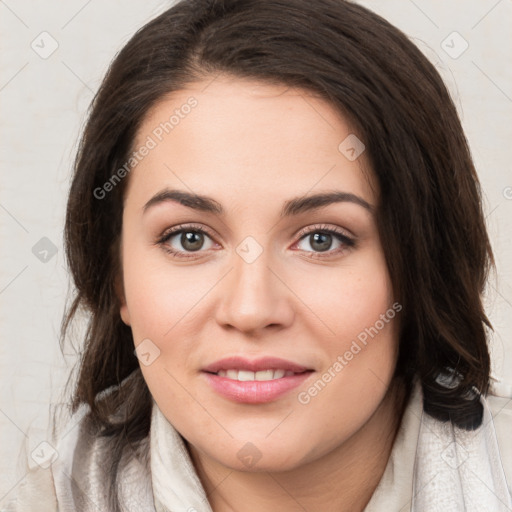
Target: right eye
<point>190,238</point>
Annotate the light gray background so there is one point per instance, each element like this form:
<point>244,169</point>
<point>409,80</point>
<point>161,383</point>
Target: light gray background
<point>44,103</point>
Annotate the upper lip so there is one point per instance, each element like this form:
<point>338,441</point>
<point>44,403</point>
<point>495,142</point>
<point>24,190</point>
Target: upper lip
<point>262,363</point>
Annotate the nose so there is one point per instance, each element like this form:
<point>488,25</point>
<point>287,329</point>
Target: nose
<point>254,296</point>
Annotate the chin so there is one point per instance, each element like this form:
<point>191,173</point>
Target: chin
<point>252,455</point>
<point>275,463</point>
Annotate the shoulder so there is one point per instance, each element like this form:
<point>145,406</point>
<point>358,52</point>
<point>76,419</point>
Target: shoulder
<point>499,401</point>
<point>36,491</point>
<point>45,482</point>
<point>38,486</point>
<point>78,469</point>
<point>94,463</point>
<point>82,463</point>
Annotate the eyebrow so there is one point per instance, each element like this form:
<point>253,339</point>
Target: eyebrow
<point>291,207</point>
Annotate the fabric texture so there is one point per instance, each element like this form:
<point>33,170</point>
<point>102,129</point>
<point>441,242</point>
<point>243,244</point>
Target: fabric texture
<point>433,467</point>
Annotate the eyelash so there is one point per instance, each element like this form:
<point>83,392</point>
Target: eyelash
<point>347,242</point>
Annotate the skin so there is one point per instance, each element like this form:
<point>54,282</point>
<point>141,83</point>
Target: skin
<point>252,146</point>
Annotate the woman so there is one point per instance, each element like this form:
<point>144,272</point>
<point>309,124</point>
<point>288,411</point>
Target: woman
<point>276,226</point>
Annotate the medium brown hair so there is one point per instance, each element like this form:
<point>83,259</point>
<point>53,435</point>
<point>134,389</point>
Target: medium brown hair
<point>429,215</point>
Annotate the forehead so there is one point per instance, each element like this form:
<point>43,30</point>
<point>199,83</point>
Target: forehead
<point>237,137</point>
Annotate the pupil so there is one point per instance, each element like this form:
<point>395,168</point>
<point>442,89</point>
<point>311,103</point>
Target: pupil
<point>323,241</point>
<point>191,240</point>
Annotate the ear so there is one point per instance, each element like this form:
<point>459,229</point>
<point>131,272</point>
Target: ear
<point>123,310</point>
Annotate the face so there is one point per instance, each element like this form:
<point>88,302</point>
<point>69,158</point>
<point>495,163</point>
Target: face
<point>250,275</point>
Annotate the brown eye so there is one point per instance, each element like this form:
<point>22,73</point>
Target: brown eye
<point>183,241</point>
<point>192,240</point>
<point>320,241</point>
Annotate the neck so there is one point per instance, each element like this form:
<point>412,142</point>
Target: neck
<point>343,480</point>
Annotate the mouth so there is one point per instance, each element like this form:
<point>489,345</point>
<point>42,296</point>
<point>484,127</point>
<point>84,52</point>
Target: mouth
<point>260,376</point>
<point>255,382</point>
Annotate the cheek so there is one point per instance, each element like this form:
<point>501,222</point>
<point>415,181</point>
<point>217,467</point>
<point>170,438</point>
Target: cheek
<point>350,299</point>
<point>360,346</point>
<point>159,296</point>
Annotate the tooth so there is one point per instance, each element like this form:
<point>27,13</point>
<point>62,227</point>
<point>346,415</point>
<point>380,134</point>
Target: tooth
<point>261,375</point>
<point>264,375</point>
<point>232,374</point>
<point>244,375</point>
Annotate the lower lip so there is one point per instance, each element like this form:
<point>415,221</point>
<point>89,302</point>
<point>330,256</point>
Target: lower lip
<point>255,392</point>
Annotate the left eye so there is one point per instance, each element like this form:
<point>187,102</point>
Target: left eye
<point>321,241</point>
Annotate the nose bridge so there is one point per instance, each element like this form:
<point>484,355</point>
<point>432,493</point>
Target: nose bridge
<point>253,296</point>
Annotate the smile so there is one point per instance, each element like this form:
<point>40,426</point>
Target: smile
<point>262,375</point>
<point>243,386</point>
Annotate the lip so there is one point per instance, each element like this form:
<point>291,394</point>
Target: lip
<point>255,392</point>
<point>262,363</point>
